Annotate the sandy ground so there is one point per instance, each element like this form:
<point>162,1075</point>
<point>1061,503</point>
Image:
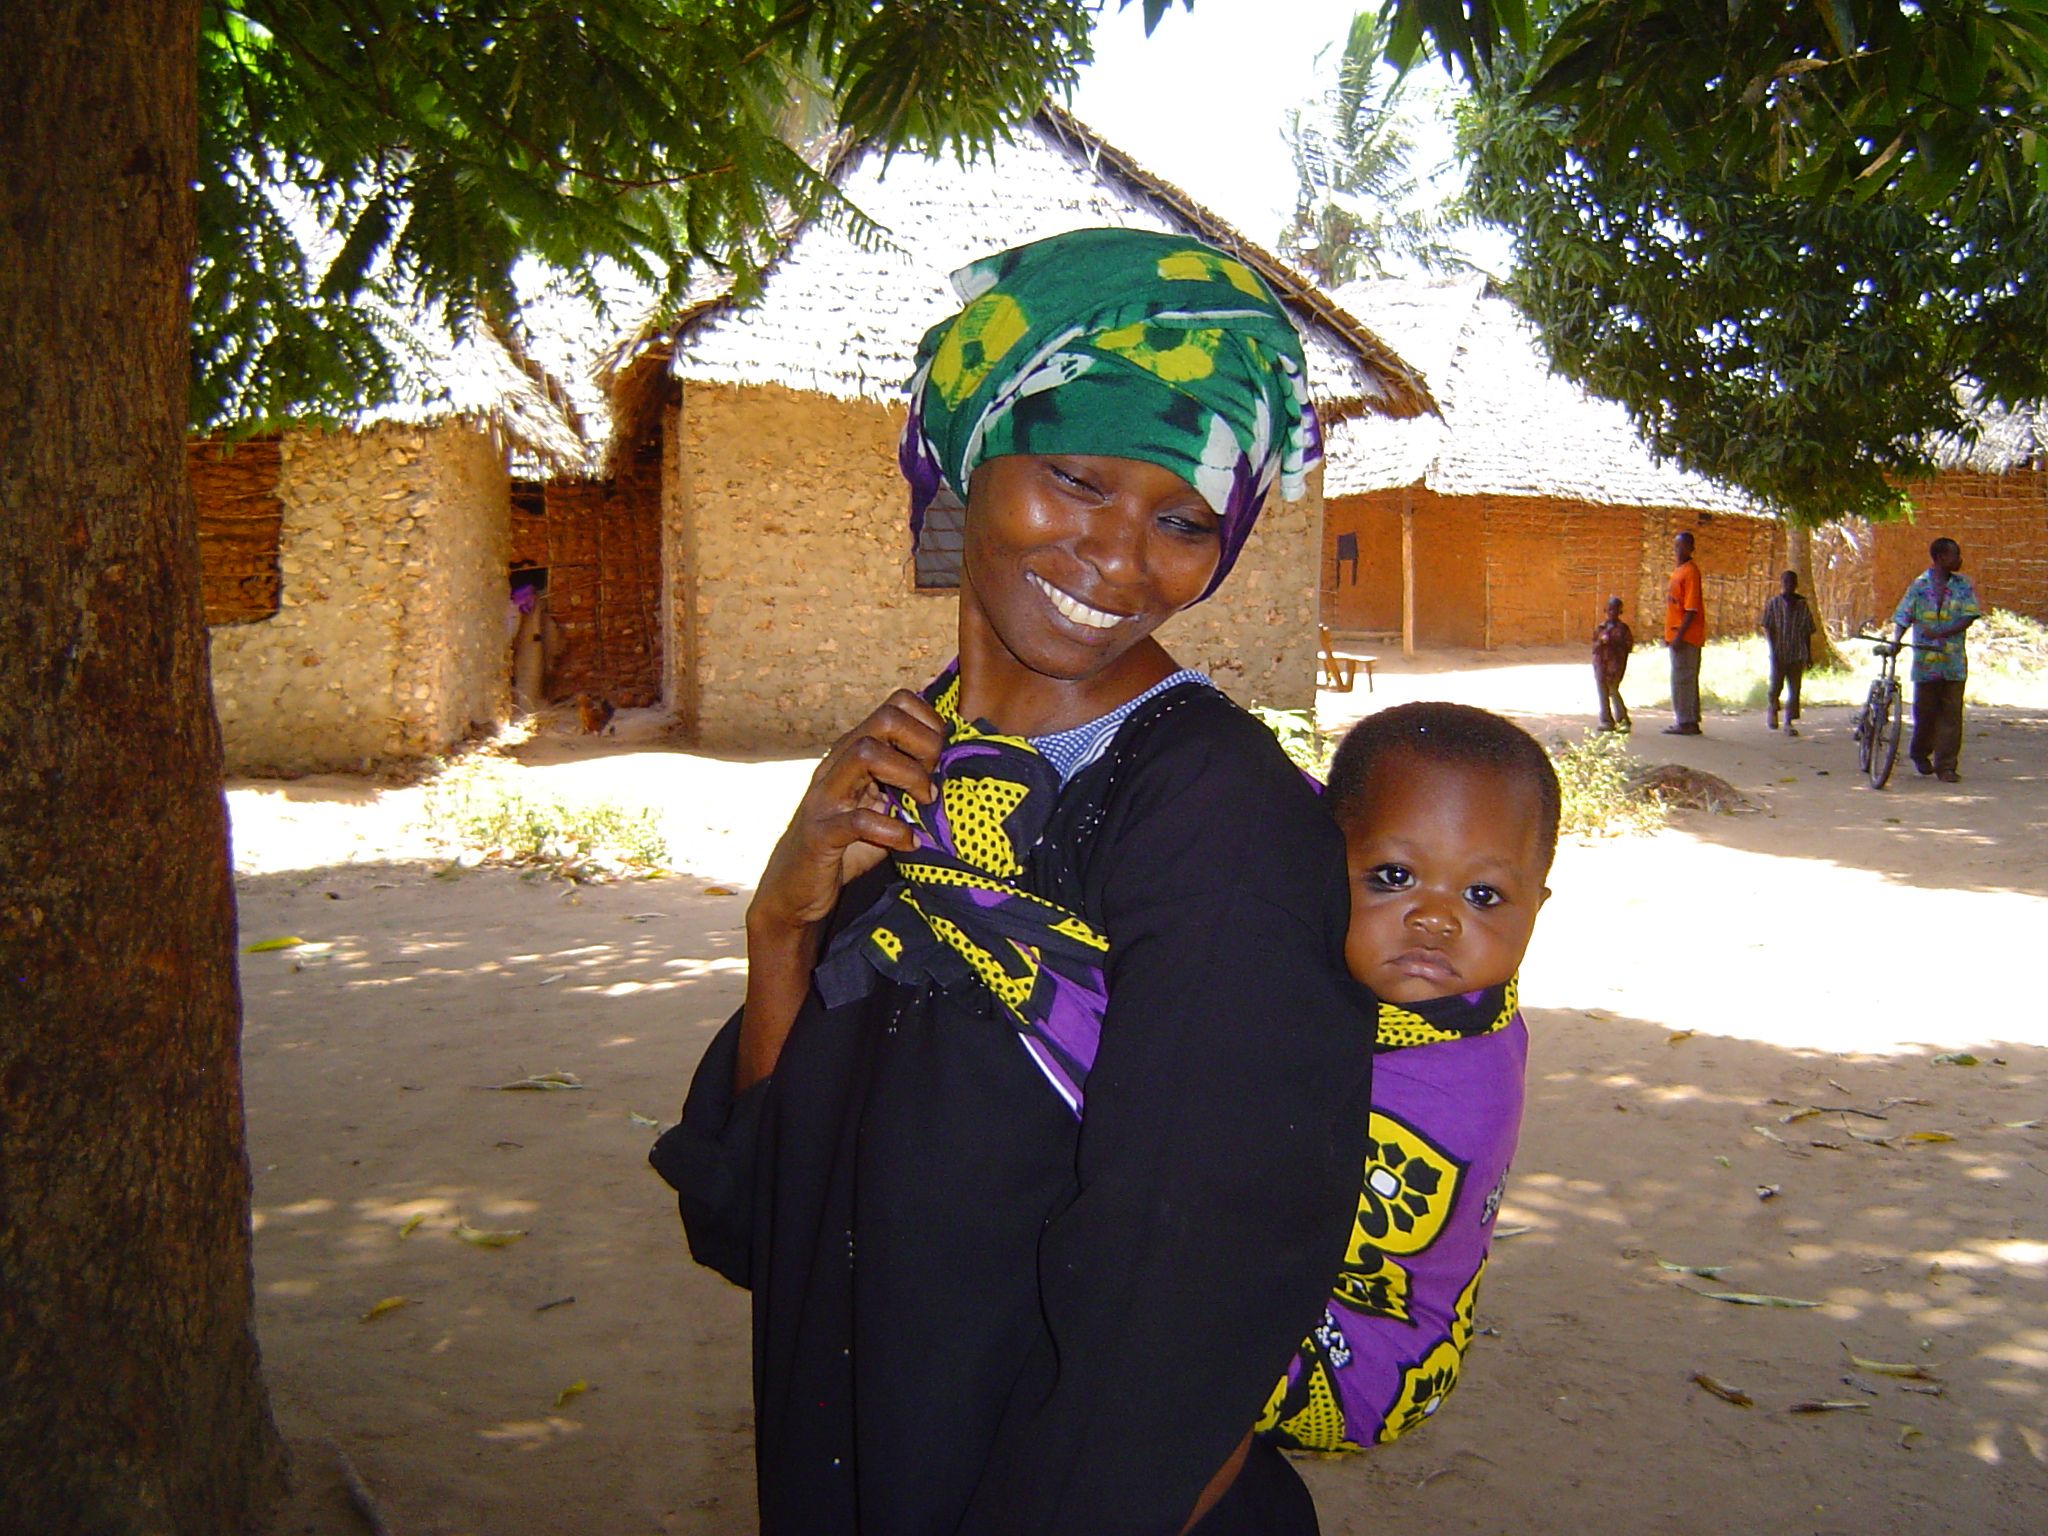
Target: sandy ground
<point>1690,995</point>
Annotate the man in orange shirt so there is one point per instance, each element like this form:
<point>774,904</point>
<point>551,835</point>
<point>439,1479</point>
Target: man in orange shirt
<point>1685,631</point>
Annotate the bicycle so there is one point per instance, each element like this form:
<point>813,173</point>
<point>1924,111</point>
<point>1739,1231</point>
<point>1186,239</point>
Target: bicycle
<point>1880,720</point>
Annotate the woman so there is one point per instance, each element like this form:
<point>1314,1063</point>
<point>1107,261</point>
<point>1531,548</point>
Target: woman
<point>1038,1134</point>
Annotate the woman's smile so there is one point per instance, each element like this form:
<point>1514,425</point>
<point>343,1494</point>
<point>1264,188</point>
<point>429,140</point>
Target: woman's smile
<point>1070,607</point>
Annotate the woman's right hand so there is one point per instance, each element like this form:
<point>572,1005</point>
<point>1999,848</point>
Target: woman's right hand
<point>842,828</point>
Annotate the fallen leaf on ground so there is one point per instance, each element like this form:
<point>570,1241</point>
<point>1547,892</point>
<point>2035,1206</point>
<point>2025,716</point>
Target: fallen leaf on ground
<point>1596,1013</point>
<point>1677,1035</point>
<point>388,1304</point>
<point>559,1301</point>
<point>412,1223</point>
<point>1936,1390</point>
<point>1769,1191</point>
<point>1752,1298</point>
<point>2019,1125</point>
<point>1911,1371</point>
<point>1907,1435</point>
<point>1724,1162</point>
<point>719,890</point>
<point>1955,1059</point>
<point>1798,1115</point>
<point>1928,1136</point>
<point>482,1239</point>
<point>265,946</point>
<point>1770,1135</point>
<point>1722,1390</point>
<point>541,1082</point>
<point>636,1119</point>
<point>1500,1232</point>
<point>1888,1103</point>
<point>1875,1141</point>
<point>1827,1405</point>
<point>570,1393</point>
<point>1704,1271</point>
<point>1860,1385</point>
<point>549,981</point>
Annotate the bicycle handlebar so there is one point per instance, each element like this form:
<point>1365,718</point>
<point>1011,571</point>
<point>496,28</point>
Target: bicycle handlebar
<point>1912,645</point>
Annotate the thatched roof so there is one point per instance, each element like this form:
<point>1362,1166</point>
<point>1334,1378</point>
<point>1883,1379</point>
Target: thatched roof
<point>1508,425</point>
<point>2006,439</point>
<point>841,319</point>
<point>485,378</point>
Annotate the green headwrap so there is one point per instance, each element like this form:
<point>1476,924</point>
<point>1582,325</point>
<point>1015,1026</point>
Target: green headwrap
<point>1120,343</point>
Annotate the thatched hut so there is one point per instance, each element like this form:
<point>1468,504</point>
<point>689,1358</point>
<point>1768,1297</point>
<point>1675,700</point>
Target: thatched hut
<point>355,579</point>
<point>1512,516</point>
<point>794,600</point>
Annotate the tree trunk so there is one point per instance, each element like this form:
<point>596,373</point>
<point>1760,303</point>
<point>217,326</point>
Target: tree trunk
<point>130,1396</point>
<point>1799,560</point>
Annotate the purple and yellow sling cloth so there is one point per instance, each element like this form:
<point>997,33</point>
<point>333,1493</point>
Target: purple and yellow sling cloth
<point>1447,1093</point>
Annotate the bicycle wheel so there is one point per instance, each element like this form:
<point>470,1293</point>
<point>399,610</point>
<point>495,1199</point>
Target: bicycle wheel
<point>1866,734</point>
<point>1884,746</point>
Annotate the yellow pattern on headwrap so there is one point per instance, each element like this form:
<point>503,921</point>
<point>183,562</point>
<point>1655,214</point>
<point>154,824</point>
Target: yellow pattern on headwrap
<point>1191,354</point>
<point>980,335</point>
<point>1203,266</point>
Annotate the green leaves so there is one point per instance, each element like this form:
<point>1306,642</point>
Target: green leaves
<point>361,164</point>
<point>1809,350</point>
<point>1856,97</point>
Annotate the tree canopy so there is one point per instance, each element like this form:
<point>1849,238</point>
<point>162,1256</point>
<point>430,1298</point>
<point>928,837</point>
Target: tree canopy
<point>357,159</point>
<point>1807,350</point>
<point>1918,99</point>
<point>1794,241</point>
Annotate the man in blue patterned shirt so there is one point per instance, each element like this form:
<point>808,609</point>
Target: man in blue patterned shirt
<point>1939,605</point>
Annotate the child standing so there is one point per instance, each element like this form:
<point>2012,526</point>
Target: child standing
<point>1450,817</point>
<point>1787,624</point>
<point>1612,642</point>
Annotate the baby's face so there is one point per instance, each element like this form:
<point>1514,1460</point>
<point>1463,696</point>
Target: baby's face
<point>1447,875</point>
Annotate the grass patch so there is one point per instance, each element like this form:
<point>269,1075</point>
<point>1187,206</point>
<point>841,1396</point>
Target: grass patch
<point>488,818</point>
<point>2008,666</point>
<point>1593,775</point>
<point>1300,738</point>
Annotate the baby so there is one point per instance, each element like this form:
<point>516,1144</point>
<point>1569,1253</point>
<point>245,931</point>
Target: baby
<point>1450,821</point>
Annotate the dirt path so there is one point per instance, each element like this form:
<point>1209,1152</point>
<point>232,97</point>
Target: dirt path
<point>1821,952</point>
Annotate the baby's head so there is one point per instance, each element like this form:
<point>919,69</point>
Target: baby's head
<point>1613,608</point>
<point>1450,818</point>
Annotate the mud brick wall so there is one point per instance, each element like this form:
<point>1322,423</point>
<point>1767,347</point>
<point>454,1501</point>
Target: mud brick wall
<point>786,538</point>
<point>2000,520</point>
<point>389,637</point>
<point>1493,571</point>
<point>234,487</point>
<point>603,554</point>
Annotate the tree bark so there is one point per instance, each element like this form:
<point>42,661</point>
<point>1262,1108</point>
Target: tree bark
<point>1799,560</point>
<point>130,1395</point>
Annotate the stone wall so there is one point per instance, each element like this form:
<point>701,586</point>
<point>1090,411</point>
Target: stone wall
<point>389,639</point>
<point>792,609</point>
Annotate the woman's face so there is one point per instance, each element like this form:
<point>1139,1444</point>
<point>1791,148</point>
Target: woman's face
<point>1070,560</point>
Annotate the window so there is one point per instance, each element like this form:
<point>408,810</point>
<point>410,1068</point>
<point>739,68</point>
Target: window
<point>937,557</point>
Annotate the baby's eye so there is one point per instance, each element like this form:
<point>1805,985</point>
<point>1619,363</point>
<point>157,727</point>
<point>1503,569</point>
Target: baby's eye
<point>1483,896</point>
<point>1389,877</point>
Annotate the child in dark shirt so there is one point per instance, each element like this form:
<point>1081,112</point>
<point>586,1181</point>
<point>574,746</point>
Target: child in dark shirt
<point>1612,641</point>
<point>1450,817</point>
